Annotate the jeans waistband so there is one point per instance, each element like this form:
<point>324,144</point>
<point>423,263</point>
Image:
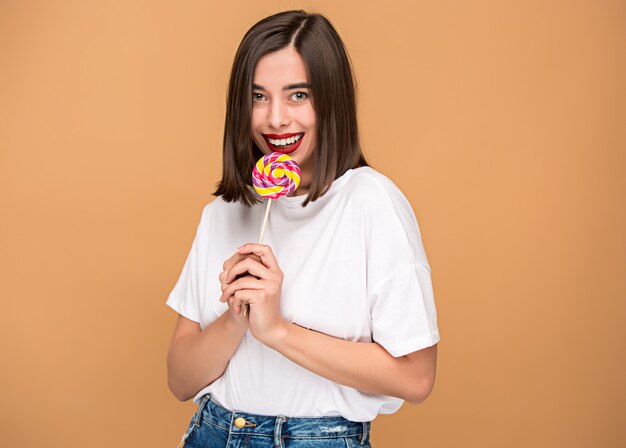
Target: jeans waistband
<point>280,425</point>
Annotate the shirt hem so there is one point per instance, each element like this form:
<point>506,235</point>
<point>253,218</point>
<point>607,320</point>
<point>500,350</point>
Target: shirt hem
<point>410,346</point>
<point>178,308</point>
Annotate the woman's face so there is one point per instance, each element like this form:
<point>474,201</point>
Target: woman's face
<point>283,118</point>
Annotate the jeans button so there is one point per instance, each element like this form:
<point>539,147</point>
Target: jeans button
<point>240,422</point>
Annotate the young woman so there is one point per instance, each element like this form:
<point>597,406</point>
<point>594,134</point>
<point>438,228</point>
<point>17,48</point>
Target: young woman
<point>342,324</point>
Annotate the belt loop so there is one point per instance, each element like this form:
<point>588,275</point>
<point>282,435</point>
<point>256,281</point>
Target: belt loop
<point>203,402</point>
<point>365,432</point>
<point>278,430</point>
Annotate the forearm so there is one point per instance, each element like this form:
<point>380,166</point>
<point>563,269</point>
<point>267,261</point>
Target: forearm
<point>197,360</point>
<point>365,366</point>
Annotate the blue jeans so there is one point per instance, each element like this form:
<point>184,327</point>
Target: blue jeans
<point>213,426</point>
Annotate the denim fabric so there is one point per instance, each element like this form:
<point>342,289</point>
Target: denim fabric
<point>213,426</point>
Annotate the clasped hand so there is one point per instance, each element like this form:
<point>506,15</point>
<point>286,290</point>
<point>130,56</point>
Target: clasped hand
<point>261,290</point>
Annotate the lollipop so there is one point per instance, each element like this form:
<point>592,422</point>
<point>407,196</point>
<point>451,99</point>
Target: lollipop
<point>273,176</point>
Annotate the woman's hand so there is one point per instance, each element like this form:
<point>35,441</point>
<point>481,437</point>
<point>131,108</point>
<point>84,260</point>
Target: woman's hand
<point>239,319</point>
<point>261,290</point>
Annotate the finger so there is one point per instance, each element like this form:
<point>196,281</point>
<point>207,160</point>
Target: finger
<point>262,250</point>
<point>239,299</point>
<point>247,282</point>
<point>248,265</point>
<point>252,256</point>
<point>234,307</point>
<point>232,304</point>
<point>222,278</point>
<point>236,258</point>
<point>231,291</point>
<point>230,262</point>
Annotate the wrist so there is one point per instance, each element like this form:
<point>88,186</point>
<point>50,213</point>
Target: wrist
<point>278,334</point>
<point>236,324</point>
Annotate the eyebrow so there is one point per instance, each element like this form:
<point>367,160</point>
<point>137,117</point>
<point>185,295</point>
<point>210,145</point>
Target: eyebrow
<point>298,85</point>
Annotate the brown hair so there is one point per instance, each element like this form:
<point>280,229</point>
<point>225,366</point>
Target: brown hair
<point>333,91</point>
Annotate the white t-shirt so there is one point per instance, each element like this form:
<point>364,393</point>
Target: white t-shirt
<point>354,268</point>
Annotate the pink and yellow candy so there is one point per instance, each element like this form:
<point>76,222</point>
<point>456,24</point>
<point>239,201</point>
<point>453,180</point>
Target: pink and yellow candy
<point>275,175</point>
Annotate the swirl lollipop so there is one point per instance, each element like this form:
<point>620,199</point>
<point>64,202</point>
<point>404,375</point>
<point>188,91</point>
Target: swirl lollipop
<point>274,175</point>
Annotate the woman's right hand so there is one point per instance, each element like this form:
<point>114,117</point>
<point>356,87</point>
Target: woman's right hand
<point>240,320</point>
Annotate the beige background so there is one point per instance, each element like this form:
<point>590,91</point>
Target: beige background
<point>502,122</point>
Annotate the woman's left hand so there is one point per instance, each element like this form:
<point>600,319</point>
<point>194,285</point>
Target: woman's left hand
<point>262,294</point>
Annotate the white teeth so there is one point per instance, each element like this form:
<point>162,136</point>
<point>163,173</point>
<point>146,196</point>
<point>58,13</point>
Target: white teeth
<point>285,141</point>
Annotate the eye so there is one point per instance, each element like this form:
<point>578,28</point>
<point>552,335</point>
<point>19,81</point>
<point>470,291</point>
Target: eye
<point>256,97</point>
<point>300,96</point>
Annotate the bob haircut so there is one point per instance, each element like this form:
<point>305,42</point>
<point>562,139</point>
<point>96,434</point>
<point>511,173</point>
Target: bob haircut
<point>333,97</point>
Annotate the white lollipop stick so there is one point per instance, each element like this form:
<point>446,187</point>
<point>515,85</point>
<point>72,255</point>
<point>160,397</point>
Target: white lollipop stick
<point>267,213</point>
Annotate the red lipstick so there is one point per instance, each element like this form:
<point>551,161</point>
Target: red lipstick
<point>283,149</point>
<point>282,135</point>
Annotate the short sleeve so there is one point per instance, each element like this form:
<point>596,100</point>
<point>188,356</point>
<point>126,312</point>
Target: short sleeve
<point>185,297</point>
<point>400,290</point>
<point>404,317</point>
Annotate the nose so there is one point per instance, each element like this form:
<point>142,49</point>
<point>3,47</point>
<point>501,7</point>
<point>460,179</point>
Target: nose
<point>278,115</point>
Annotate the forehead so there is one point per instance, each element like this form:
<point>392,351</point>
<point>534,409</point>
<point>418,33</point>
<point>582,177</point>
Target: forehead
<point>280,68</point>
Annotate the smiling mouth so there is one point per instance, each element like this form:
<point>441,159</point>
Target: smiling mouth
<point>285,143</point>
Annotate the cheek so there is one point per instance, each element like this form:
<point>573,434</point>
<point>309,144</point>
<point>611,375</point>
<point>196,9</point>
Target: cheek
<point>255,128</point>
<point>308,119</point>
<point>256,119</point>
